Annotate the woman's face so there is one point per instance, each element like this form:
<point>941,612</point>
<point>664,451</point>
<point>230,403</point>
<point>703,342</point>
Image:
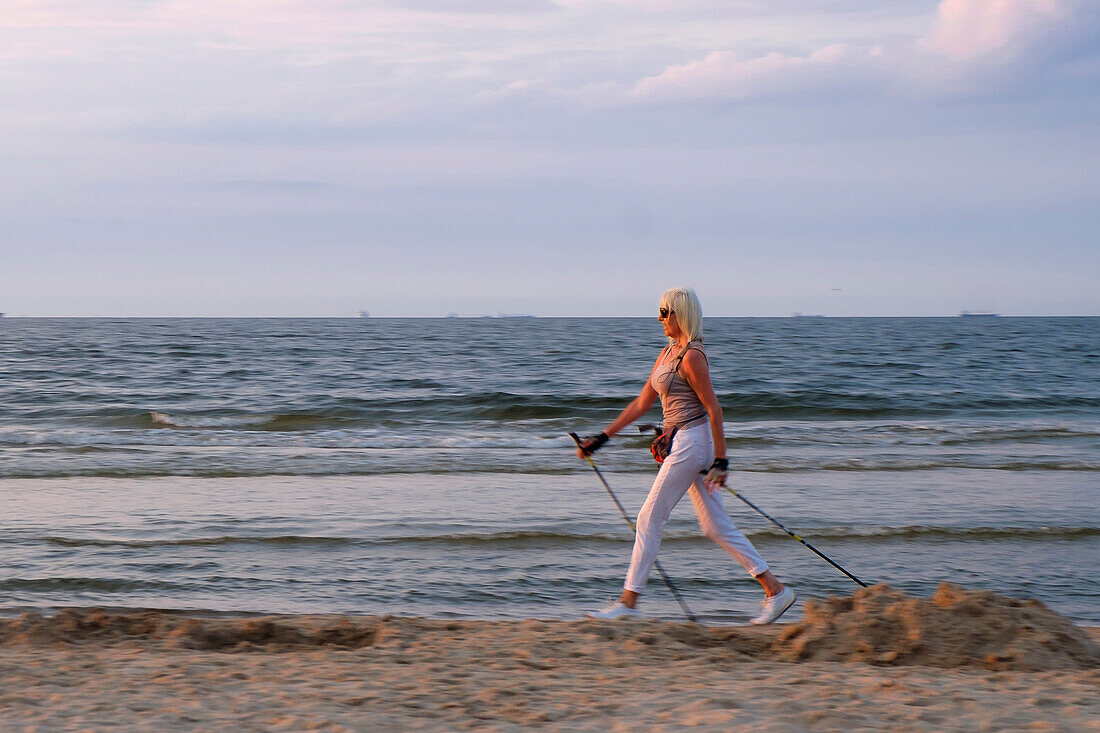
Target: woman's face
<point>672,326</point>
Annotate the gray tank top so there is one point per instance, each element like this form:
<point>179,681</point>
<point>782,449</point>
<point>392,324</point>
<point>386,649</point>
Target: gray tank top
<point>681,406</point>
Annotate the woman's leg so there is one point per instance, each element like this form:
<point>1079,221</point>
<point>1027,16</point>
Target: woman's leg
<point>673,480</point>
<point>717,525</point>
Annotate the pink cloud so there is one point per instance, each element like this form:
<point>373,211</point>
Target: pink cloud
<point>969,29</point>
<point>968,40</point>
<point>725,74</point>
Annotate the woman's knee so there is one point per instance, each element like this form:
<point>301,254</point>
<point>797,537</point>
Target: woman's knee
<point>720,533</point>
<point>719,528</point>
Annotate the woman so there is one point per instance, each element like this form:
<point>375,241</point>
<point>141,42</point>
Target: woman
<point>681,378</point>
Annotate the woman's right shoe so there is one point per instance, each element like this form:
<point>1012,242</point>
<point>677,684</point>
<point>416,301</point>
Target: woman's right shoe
<point>614,609</point>
<point>774,607</point>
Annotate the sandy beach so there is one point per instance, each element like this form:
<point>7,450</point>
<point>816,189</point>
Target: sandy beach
<point>958,661</point>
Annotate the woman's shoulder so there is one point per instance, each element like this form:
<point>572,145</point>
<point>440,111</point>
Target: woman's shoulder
<point>696,353</point>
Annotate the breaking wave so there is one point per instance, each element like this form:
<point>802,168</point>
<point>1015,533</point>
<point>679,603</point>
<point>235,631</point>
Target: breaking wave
<point>536,537</point>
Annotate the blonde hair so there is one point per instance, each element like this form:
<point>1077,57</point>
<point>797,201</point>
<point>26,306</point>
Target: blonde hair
<point>689,314</point>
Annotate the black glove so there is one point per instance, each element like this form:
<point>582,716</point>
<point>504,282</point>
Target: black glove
<point>592,443</point>
<point>716,476</point>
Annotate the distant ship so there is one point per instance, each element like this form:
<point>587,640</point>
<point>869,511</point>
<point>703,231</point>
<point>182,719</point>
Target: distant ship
<point>977,314</point>
<point>364,314</point>
<point>808,315</point>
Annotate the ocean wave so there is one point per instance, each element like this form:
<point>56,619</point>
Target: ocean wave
<point>100,585</point>
<point>875,534</point>
<point>399,407</point>
<point>279,540</point>
<point>275,422</point>
<point>201,467</point>
<point>886,465</point>
<point>301,429</point>
<point>376,437</point>
<point>558,537</point>
<point>1025,434</point>
<point>985,533</point>
<point>764,404</point>
<point>826,404</point>
<point>366,413</point>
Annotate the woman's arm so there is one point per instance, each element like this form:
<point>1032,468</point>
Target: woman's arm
<point>634,410</point>
<point>697,373</point>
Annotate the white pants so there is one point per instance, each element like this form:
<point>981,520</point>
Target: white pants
<point>692,452</point>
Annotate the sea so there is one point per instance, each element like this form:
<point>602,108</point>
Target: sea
<point>423,467</point>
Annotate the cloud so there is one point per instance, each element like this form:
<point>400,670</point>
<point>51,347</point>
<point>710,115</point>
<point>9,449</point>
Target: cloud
<point>368,72</point>
<point>981,47</point>
<point>724,75</point>
<point>968,29</point>
<point>1012,49</point>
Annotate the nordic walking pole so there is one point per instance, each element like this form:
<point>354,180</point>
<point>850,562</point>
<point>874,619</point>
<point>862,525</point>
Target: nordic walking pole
<point>656,563</point>
<point>792,534</point>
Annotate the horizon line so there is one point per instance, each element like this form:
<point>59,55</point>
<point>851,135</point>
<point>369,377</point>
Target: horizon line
<point>518,317</point>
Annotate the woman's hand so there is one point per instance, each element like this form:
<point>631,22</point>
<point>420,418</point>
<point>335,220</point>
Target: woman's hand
<point>591,444</point>
<point>716,476</point>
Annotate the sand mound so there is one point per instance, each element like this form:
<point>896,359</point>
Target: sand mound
<point>93,624</point>
<point>879,625</point>
<point>954,628</point>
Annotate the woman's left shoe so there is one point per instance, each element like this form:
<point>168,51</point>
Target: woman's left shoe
<point>774,607</point>
<point>614,609</point>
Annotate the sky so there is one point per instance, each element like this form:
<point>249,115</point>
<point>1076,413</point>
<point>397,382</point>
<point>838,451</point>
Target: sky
<point>549,157</point>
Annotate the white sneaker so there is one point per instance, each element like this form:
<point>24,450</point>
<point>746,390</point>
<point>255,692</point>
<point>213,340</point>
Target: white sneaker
<point>774,607</point>
<point>614,609</point>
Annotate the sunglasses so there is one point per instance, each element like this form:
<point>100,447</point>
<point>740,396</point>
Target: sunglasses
<point>665,312</point>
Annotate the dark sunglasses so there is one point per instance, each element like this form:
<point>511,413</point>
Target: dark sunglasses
<point>665,312</point>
